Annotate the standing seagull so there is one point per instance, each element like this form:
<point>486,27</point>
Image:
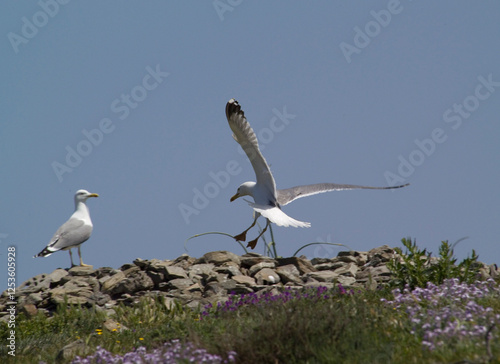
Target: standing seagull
<point>73,232</point>
<point>267,199</point>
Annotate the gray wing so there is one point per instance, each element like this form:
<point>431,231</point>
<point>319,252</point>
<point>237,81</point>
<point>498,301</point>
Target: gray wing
<point>245,136</point>
<point>288,195</point>
<point>72,233</point>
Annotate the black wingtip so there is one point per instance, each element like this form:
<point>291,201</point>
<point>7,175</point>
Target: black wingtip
<point>45,252</point>
<point>407,184</point>
<point>233,107</point>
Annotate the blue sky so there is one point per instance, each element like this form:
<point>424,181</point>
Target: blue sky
<point>126,99</point>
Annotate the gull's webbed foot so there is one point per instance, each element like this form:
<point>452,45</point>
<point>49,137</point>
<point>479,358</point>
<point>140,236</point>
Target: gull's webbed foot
<point>253,243</point>
<point>241,237</point>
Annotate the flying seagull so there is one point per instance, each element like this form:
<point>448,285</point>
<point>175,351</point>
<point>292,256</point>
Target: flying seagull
<point>73,232</point>
<point>267,199</point>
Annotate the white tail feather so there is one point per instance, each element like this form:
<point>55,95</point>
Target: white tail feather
<point>278,217</point>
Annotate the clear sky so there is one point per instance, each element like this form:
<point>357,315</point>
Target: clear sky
<point>126,99</point>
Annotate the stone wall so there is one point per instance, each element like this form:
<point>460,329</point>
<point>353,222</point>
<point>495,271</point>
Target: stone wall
<point>208,279</point>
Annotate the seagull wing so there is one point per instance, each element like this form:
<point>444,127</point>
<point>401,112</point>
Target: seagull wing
<point>72,233</point>
<point>288,195</point>
<point>275,215</point>
<point>245,136</point>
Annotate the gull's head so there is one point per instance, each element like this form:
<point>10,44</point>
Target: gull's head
<point>83,195</point>
<point>245,189</point>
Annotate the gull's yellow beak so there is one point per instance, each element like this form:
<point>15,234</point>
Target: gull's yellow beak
<point>234,197</point>
<point>93,195</point>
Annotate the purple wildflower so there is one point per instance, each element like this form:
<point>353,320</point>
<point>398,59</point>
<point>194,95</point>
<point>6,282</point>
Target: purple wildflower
<point>171,353</point>
<point>235,302</point>
<point>449,312</point>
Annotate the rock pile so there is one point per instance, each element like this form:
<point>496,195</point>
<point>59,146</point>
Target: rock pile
<point>195,282</point>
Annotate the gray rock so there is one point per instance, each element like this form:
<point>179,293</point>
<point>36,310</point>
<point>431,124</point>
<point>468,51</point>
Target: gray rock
<point>178,283</point>
<point>494,271</point>
<point>257,267</point>
<point>331,265</point>
<point>99,298</point>
<point>109,284</point>
<point>346,253</point>
<point>373,273</point>
<point>221,278</point>
<point>81,270</point>
<point>362,258</point>
<point>142,282</point>
<point>348,259</point>
<point>69,351</point>
<point>322,276</point>
<point>142,263</point>
<point>230,268</point>
<point>382,271</point>
<point>128,266</point>
<point>184,261</point>
<point>56,276</point>
<point>203,270</point>
<point>316,261</point>
<point>289,273</point>
<point>244,280</point>
<point>138,281</point>
<point>157,265</point>
<point>35,298</point>
<point>267,276</point>
<point>130,270</point>
<point>175,272</point>
<point>303,265</point>
<point>196,287</point>
<point>221,256</point>
<point>346,281</point>
<point>242,289</point>
<point>382,254</point>
<point>156,277</point>
<point>29,310</point>
<point>228,285</point>
<point>349,269</point>
<point>250,259</point>
<point>34,284</point>
<point>76,291</point>
<point>103,272</point>
<point>213,289</point>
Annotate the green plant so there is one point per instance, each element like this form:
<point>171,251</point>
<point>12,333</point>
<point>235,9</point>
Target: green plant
<point>323,326</point>
<point>415,267</point>
<point>315,326</point>
<point>269,248</point>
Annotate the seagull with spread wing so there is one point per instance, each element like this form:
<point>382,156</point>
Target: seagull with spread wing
<point>73,232</point>
<point>267,199</point>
